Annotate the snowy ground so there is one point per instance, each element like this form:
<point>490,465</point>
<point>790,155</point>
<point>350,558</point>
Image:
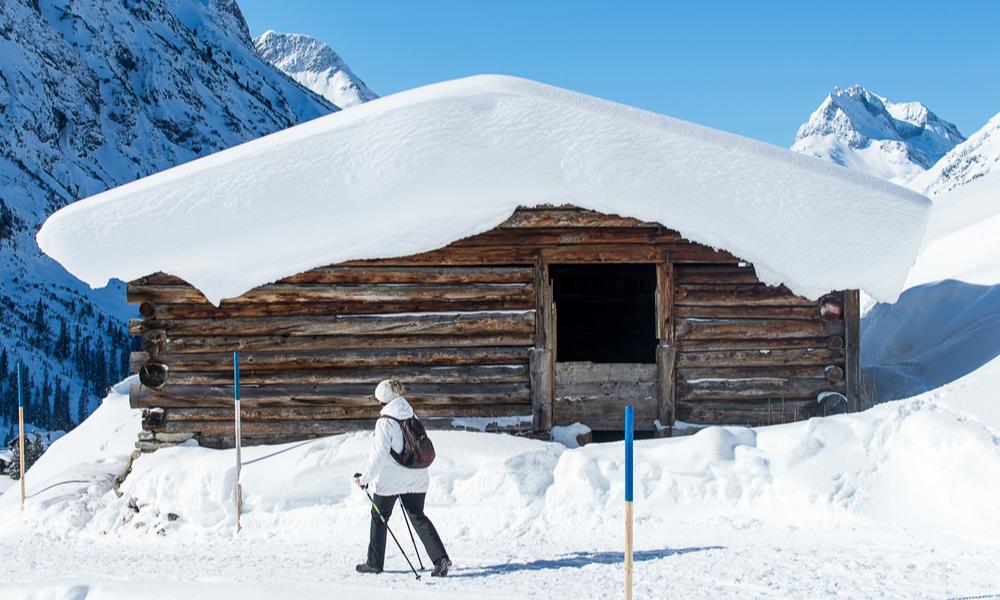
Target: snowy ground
<point>899,501</point>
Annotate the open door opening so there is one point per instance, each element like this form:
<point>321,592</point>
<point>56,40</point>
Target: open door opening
<point>606,313</point>
<point>605,344</point>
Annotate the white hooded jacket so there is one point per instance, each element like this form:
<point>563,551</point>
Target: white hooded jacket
<point>388,477</point>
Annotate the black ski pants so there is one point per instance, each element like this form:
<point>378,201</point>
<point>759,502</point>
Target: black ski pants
<point>414,506</point>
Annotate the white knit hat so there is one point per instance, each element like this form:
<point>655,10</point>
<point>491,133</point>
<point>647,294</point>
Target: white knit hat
<point>388,390</point>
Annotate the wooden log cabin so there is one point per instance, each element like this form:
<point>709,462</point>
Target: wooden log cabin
<point>511,251</point>
<point>557,316</point>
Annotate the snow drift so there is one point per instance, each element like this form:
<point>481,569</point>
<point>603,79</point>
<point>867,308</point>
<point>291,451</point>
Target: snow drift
<point>918,465</point>
<point>417,170</point>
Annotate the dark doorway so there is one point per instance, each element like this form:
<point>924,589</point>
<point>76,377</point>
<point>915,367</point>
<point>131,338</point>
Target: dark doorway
<point>605,313</point>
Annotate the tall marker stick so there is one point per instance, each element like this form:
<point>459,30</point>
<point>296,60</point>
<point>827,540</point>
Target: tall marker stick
<point>239,458</point>
<point>629,425</point>
<point>20,429</point>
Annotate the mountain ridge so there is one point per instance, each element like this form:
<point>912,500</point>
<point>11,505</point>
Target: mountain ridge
<point>863,131</point>
<point>314,65</point>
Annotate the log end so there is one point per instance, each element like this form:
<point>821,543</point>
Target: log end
<point>154,375</point>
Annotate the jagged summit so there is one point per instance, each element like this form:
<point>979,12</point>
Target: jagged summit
<point>861,130</point>
<point>315,65</point>
<point>971,160</point>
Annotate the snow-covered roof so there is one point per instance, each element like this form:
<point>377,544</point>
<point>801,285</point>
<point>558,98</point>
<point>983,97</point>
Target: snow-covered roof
<point>417,170</point>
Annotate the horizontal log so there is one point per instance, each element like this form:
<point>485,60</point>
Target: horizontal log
<point>738,389</point>
<point>288,361</point>
<point>759,358</point>
<point>755,328</point>
<point>745,412</point>
<point>568,217</point>
<point>340,427</point>
<point>408,375</point>
<point>174,418</point>
<point>730,273</point>
<point>771,372</point>
<point>689,345</point>
<point>329,342</point>
<point>749,295</point>
<point>419,275</point>
<point>327,309</point>
<point>513,293</point>
<point>739,311</point>
<point>395,325</point>
<point>541,237</point>
<point>250,427</point>
<point>681,250</point>
<point>173,396</point>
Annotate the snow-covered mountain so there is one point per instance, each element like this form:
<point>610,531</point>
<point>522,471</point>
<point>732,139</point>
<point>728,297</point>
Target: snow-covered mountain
<point>860,130</point>
<point>94,94</point>
<point>973,159</point>
<point>315,65</point>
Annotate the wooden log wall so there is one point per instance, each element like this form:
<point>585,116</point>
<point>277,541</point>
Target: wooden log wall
<point>313,346</point>
<point>459,325</point>
<point>753,354</point>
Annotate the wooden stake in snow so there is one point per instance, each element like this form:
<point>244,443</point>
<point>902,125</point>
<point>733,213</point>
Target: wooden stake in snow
<point>629,423</point>
<point>20,429</point>
<point>239,459</point>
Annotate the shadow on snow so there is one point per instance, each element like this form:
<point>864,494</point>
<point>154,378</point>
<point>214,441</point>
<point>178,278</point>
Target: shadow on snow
<point>577,560</point>
<point>934,334</point>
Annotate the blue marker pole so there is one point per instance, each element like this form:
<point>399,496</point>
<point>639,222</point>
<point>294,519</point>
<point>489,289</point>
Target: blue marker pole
<point>20,428</point>
<point>629,426</point>
<point>237,435</point>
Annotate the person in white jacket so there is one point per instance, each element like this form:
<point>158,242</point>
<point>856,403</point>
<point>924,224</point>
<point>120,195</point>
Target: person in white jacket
<point>391,480</point>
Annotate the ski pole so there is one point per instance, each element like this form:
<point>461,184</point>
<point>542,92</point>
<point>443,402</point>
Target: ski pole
<point>406,517</point>
<point>386,522</point>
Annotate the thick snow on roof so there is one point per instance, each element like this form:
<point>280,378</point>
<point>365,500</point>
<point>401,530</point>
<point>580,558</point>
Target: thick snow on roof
<point>417,170</point>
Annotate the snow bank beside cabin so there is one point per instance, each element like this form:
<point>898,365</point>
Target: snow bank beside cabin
<point>920,465</point>
<point>417,170</point>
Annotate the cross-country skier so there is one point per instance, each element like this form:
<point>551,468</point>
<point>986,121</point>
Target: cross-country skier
<point>392,480</point>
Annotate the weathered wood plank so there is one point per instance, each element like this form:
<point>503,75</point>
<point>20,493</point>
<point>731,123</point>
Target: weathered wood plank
<point>687,345</point>
<point>691,390</point>
<point>346,395</point>
<point>540,366</point>
<point>329,342</point>
<point>324,309</point>
<point>604,413</point>
<point>780,371</point>
<point>396,325</point>
<point>666,358</point>
<point>570,373</point>
<point>514,293</point>
<point>408,375</point>
<point>760,358</point>
<point>749,295</point>
<point>414,275</point>
<point>738,311</point>
<point>179,416</point>
<point>852,348</point>
<point>731,273</point>
<point>745,412</point>
<point>288,361</point>
<point>756,328</point>
<point>343,426</point>
<point>540,237</point>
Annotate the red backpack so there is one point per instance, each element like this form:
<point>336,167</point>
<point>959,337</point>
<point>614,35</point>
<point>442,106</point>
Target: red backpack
<point>418,450</point>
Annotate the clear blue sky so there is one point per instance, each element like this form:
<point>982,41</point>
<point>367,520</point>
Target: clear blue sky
<point>754,68</point>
